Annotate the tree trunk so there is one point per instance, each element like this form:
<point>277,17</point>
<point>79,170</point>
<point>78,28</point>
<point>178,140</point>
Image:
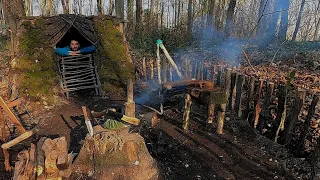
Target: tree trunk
<point>27,5</point>
<point>284,20</point>
<point>262,23</point>
<point>119,5</point>
<point>294,36</point>
<point>317,23</point>
<point>99,6</point>
<point>65,6</point>
<point>48,7</point>
<point>211,13</point>
<point>178,13</point>
<point>230,14</point>
<point>151,18</point>
<point>110,7</point>
<point>190,16</point>
<point>138,12</point>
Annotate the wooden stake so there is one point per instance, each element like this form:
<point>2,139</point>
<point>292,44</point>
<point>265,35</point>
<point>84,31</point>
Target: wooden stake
<point>250,98</point>
<point>158,65</point>
<point>144,67</point>
<point>281,94</point>
<point>221,115</point>
<point>151,69</point>
<point>214,73</point>
<point>195,70</point>
<point>258,108</point>
<point>228,81</point>
<point>202,70</point>
<point>18,139</point>
<point>267,101</point>
<point>306,126</point>
<point>186,114</point>
<point>240,82</point>
<point>211,107</point>
<point>130,109</point>
<point>233,84</point>
<point>170,73</point>
<point>164,72</point>
<point>40,157</point>
<point>219,75</point>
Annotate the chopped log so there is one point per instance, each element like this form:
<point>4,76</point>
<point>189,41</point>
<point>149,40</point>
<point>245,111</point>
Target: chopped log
<point>240,82</point>
<point>306,126</point>
<point>158,65</point>
<point>40,157</point>
<point>221,115</point>
<point>175,67</point>
<point>186,114</point>
<point>11,116</point>
<point>151,69</point>
<point>258,108</point>
<point>233,84</point>
<point>19,138</point>
<point>144,69</point>
<point>62,161</point>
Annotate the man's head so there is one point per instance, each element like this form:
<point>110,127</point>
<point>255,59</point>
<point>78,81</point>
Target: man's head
<point>74,45</point>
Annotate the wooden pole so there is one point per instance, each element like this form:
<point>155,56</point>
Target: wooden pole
<point>158,65</point>
<point>195,70</point>
<point>250,98</point>
<point>211,107</point>
<point>233,84</point>
<point>171,60</point>
<point>240,82</point>
<point>306,126</point>
<point>258,107</point>
<point>170,73</point>
<point>144,67</point>
<point>18,139</point>
<point>130,105</point>
<point>164,72</point>
<point>267,101</point>
<point>219,75</point>
<point>281,95</point>
<point>186,114</point>
<point>214,73</point>
<point>221,115</point>
<point>206,77</point>
<point>151,69</point>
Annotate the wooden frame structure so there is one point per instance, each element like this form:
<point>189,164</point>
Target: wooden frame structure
<point>78,72</point>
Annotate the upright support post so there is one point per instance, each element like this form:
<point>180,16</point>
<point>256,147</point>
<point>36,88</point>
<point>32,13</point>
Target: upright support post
<point>306,126</point>
<point>151,70</point>
<point>219,75</point>
<point>258,107</point>
<point>186,114</point>
<point>267,101</point>
<point>240,82</point>
<point>158,64</point>
<point>170,73</point>
<point>202,70</point>
<point>164,72</point>
<point>249,98</point>
<point>233,84</point>
<point>130,105</point>
<point>144,67</point>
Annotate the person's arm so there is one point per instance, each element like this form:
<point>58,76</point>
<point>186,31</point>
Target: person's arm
<point>88,49</point>
<point>63,51</point>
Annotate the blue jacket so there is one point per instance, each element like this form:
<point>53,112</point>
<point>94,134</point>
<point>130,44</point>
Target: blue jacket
<point>65,51</point>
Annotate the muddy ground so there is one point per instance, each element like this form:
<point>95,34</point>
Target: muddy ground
<point>240,153</point>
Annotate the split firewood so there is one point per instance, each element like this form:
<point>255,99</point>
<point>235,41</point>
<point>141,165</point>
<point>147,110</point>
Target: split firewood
<point>51,155</point>
<point>40,157</point>
<point>62,162</point>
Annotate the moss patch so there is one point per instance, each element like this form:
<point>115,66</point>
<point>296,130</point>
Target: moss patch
<point>115,68</point>
<point>36,64</point>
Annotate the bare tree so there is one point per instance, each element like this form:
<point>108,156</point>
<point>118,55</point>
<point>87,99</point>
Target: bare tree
<point>211,13</point>
<point>190,4</point>
<point>138,12</point>
<point>284,20</point>
<point>230,14</point>
<point>294,36</point>
<point>111,7</point>
<point>99,6</point>
<point>119,6</point>
<point>48,7</point>
<point>317,22</point>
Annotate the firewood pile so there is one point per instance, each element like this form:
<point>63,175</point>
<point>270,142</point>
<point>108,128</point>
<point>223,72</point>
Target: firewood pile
<point>48,159</point>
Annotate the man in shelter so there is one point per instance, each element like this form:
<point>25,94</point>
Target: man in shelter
<point>74,49</point>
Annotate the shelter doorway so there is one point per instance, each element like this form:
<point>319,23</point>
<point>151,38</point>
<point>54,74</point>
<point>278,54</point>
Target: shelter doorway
<point>78,73</point>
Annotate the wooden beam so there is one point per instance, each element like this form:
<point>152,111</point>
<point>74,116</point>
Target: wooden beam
<point>11,116</point>
<point>19,139</point>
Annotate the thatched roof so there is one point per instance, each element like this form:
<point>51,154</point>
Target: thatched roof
<point>58,26</point>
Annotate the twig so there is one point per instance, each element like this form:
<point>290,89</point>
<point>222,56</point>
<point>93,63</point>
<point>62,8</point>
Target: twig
<point>248,60</point>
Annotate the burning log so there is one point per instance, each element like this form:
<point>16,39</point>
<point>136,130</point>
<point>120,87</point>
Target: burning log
<point>233,84</point>
<point>186,114</point>
<point>258,107</point>
<point>306,126</point>
<point>240,82</point>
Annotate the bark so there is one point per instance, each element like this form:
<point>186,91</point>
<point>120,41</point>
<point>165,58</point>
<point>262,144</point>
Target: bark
<point>119,8</point>
<point>48,7</point>
<point>111,7</point>
<point>64,6</point>
<point>230,15</point>
<point>151,18</point>
<point>190,16</point>
<point>262,23</point>
<point>317,23</point>
<point>210,21</point>
<point>178,13</point>
<point>99,6</point>
<point>138,12</point>
<point>27,5</point>
<point>294,36</point>
<point>284,20</point>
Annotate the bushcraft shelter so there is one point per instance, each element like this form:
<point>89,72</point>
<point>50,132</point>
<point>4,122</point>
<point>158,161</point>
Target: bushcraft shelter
<point>42,72</point>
